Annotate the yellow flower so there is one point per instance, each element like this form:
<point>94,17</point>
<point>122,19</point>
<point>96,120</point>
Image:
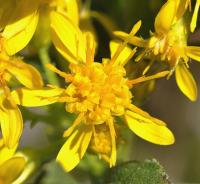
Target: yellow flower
<point>14,167</point>
<point>20,27</point>
<point>10,116</point>
<point>97,93</point>
<point>11,166</point>
<point>24,21</point>
<point>169,44</point>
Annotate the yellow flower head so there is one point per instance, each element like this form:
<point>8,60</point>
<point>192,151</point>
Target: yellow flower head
<point>97,93</point>
<point>169,44</point>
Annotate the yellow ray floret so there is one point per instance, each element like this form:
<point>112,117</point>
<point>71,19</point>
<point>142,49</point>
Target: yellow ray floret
<point>97,93</point>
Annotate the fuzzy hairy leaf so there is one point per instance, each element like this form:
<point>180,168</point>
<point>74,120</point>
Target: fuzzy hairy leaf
<point>147,172</point>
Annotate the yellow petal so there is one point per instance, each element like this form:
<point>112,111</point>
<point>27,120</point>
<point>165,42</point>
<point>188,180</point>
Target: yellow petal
<point>18,34</point>
<point>194,17</point>
<point>186,82</point>
<point>136,27</point>
<point>11,124</point>
<point>182,6</point>
<point>34,98</point>
<point>11,169</point>
<point>86,140</point>
<point>74,148</point>
<point>193,52</point>
<point>72,10</point>
<point>27,171</point>
<point>123,55</point>
<point>26,74</point>
<point>5,152</point>
<point>145,116</point>
<point>77,122</point>
<point>67,38</point>
<point>139,42</point>
<point>149,131</point>
<point>165,17</point>
<point>62,49</point>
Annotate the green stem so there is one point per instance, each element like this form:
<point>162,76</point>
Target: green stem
<point>88,5</point>
<point>45,59</point>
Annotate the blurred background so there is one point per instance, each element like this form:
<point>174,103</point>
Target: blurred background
<point>181,160</point>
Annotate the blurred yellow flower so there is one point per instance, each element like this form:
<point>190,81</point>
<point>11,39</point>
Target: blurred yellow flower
<point>97,93</point>
<point>169,44</point>
<point>22,23</point>
<point>11,166</point>
<point>14,167</point>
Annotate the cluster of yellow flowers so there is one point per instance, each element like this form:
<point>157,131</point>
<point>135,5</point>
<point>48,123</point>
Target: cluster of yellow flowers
<point>97,92</point>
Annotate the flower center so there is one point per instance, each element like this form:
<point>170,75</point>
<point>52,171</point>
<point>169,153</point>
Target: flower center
<point>171,46</point>
<point>100,91</point>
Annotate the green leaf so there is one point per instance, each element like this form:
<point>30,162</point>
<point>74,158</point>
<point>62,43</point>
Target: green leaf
<point>147,172</point>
